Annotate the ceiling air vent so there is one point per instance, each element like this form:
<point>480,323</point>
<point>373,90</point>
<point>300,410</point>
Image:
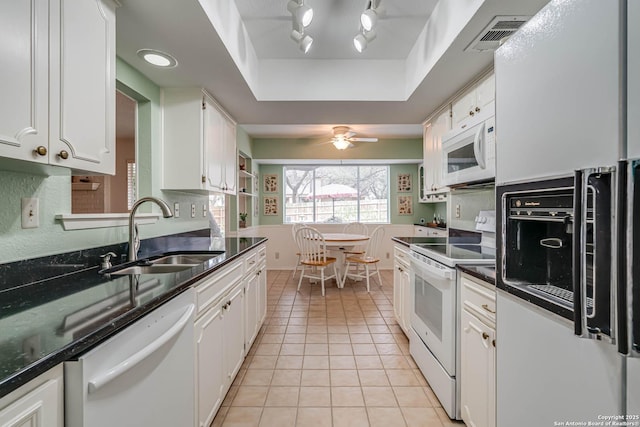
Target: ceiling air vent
<point>494,34</point>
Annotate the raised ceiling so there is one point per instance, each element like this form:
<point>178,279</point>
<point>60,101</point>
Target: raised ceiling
<point>240,52</point>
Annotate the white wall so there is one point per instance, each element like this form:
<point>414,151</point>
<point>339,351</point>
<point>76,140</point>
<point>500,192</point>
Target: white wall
<point>281,249</point>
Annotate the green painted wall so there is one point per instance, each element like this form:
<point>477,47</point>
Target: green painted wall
<point>420,210</point>
<point>54,192</point>
<point>321,148</point>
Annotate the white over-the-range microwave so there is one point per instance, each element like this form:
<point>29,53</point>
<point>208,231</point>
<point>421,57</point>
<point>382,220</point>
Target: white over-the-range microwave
<point>469,152</point>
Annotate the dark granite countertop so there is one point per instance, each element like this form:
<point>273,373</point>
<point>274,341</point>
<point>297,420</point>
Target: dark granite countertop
<point>485,273</point>
<point>64,307</point>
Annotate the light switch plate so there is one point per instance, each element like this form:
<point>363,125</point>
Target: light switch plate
<point>176,210</point>
<point>30,212</point>
<point>193,210</point>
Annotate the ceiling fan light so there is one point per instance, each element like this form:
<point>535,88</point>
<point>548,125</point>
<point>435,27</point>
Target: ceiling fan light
<point>360,42</point>
<point>368,19</point>
<point>340,143</point>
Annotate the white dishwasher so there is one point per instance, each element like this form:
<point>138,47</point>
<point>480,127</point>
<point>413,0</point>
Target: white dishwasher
<point>143,376</point>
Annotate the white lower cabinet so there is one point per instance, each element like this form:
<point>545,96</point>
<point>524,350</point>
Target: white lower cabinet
<point>478,354</point>
<point>401,287</point>
<point>210,378</point>
<point>37,403</point>
<point>231,310</point>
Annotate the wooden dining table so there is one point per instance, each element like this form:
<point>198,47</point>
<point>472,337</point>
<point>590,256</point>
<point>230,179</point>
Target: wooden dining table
<point>339,243</point>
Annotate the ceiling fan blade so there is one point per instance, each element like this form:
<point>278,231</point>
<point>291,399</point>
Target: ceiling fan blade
<point>364,139</point>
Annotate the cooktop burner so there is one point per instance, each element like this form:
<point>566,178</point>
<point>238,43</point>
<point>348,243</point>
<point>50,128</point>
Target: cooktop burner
<point>453,254</point>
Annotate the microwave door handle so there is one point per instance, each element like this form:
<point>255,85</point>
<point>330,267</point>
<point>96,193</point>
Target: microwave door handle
<point>577,254</point>
<point>478,146</point>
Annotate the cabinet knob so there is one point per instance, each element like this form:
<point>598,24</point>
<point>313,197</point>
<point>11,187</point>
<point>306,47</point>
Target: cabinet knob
<point>471,113</point>
<point>485,335</point>
<point>477,109</point>
<point>63,155</point>
<point>40,150</point>
<point>493,342</point>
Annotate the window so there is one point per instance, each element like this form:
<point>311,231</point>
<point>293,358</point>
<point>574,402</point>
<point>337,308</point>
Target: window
<point>336,194</point>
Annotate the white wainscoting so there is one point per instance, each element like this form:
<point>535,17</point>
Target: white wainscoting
<point>281,249</point>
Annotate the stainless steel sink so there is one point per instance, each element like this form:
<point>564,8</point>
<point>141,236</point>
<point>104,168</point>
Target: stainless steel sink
<point>183,259</point>
<point>152,269</point>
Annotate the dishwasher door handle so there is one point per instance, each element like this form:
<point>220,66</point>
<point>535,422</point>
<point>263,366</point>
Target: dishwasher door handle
<point>114,372</point>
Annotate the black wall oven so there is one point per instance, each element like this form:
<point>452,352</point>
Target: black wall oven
<point>556,247</point>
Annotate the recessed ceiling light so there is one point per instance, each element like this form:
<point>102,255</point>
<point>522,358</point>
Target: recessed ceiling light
<point>157,58</point>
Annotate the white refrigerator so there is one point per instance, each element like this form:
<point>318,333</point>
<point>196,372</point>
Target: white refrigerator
<point>567,99</point>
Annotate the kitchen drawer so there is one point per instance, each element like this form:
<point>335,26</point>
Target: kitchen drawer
<point>262,254</point>
<point>212,287</point>
<point>479,298</point>
<point>250,262</point>
<point>401,255</point>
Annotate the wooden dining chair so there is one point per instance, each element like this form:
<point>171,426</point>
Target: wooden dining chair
<point>367,259</point>
<point>313,256</point>
<point>294,229</point>
<point>355,228</point>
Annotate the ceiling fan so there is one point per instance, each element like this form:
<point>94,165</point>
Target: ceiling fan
<point>343,138</point>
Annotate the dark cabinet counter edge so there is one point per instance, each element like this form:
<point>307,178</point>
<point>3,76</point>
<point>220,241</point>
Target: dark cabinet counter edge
<point>85,343</point>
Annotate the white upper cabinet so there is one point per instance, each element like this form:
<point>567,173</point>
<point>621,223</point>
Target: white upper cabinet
<point>199,143</point>
<point>477,99</point>
<point>432,149</point>
<point>58,83</point>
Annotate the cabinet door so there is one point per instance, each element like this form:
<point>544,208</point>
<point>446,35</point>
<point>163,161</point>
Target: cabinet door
<point>477,372</point>
<point>214,160</point>
<point>233,340</point>
<point>463,108</point>
<point>441,125</point>
<point>485,94</point>
<point>24,79</point>
<point>398,299</point>
<point>42,407</point>
<point>262,294</point>
<point>210,376</point>
<point>82,85</point>
<point>251,307</point>
<point>429,157</point>
<point>407,304</point>
<point>231,156</point>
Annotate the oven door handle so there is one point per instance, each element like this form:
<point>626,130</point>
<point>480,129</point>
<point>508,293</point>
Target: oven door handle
<point>440,273</point>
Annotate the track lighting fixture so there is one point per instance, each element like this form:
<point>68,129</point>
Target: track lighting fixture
<point>368,21</point>
<point>362,39</point>
<point>304,41</point>
<point>302,16</point>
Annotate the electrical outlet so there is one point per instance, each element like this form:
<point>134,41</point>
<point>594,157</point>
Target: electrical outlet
<point>193,210</point>
<point>30,212</point>
<point>457,211</point>
<point>204,210</point>
<point>277,255</point>
<point>388,256</point>
<point>176,210</point>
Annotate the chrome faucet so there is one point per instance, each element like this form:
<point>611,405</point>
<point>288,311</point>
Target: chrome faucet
<point>134,240</point>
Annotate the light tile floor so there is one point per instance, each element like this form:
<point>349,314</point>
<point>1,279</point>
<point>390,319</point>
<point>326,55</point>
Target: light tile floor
<point>338,360</point>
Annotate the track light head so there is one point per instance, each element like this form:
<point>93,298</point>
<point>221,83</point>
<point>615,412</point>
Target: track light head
<point>302,14</point>
<point>360,42</point>
<point>368,19</point>
<point>304,41</point>
<point>362,39</point>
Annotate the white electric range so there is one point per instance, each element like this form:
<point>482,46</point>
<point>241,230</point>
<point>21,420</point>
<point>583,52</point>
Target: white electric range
<point>435,317</point>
